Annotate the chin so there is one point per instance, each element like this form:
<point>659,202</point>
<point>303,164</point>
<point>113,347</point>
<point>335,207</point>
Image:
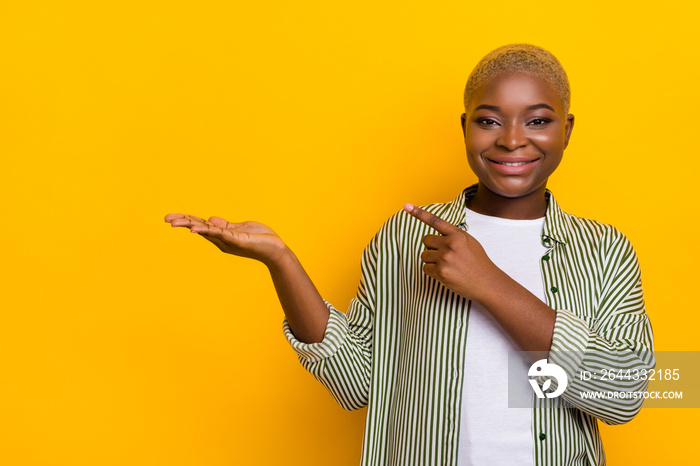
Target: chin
<point>511,191</point>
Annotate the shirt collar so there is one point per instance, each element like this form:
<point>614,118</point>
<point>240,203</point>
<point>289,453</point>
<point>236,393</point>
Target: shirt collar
<point>555,222</point>
<point>554,225</point>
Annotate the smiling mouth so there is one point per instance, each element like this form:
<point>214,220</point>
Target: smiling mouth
<point>513,164</point>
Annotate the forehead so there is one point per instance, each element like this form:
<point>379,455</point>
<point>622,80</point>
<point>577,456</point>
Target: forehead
<point>515,91</point>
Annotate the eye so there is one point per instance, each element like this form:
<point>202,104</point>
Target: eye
<point>539,122</point>
<point>487,122</point>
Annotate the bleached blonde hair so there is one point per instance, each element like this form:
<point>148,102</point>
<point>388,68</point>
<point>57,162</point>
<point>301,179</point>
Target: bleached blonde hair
<point>520,58</point>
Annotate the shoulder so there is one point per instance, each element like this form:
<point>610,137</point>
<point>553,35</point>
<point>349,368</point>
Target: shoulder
<point>585,234</point>
<point>589,228</point>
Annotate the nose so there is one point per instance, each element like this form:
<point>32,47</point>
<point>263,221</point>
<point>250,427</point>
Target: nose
<point>512,137</point>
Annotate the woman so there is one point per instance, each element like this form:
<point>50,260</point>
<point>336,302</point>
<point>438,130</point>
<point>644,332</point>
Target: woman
<point>424,340</point>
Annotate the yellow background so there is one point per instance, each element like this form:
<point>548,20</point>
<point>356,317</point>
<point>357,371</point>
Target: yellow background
<point>125,342</point>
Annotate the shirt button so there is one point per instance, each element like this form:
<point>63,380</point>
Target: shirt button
<point>554,289</point>
<point>542,436</point>
<point>545,257</point>
<point>459,323</point>
<point>456,373</point>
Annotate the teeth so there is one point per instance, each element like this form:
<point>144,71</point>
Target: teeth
<point>512,164</point>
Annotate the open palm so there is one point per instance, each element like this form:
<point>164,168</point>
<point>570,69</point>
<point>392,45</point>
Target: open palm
<point>246,239</point>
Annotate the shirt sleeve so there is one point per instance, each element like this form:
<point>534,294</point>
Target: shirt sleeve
<point>615,347</point>
<point>342,360</point>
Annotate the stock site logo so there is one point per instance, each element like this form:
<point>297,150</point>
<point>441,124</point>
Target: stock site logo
<point>542,369</point>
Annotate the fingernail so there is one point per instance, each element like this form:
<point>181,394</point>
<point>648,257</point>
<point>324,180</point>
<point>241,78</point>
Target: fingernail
<point>408,207</point>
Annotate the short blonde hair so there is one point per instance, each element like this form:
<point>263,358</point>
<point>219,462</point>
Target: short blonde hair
<point>520,58</point>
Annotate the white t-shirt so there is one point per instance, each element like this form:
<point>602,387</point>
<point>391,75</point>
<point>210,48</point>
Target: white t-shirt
<point>492,433</point>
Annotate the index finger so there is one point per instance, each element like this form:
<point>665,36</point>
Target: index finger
<point>432,220</point>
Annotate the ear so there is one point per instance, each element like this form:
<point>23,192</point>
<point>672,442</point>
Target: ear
<point>464,124</point>
<point>569,127</point>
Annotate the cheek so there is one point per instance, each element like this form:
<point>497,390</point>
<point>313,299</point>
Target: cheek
<point>475,141</point>
<point>549,140</point>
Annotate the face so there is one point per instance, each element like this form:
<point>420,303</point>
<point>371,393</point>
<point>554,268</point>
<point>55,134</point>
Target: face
<point>515,131</point>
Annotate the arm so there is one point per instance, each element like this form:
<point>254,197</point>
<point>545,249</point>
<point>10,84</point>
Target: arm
<point>458,261</point>
<point>342,362</point>
<point>303,306</point>
<point>334,347</point>
<point>618,338</point>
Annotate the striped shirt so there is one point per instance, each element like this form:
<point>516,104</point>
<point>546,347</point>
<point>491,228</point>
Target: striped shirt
<point>400,349</point>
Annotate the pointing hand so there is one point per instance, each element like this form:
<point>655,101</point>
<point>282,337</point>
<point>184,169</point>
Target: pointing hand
<point>454,257</point>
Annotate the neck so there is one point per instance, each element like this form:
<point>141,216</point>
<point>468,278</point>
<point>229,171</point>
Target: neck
<point>530,206</point>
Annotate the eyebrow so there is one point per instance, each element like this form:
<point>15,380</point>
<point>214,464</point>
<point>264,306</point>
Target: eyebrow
<point>496,108</point>
<point>537,106</point>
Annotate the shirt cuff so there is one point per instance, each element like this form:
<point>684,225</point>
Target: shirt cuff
<point>572,336</point>
<point>333,337</point>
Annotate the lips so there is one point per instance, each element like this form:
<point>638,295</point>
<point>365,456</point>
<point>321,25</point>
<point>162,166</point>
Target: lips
<point>513,165</point>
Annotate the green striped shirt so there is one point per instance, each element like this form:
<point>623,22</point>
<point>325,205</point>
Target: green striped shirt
<point>400,349</point>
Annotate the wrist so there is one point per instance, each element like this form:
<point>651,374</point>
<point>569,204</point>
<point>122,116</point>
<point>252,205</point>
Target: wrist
<point>281,260</point>
<point>494,286</point>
